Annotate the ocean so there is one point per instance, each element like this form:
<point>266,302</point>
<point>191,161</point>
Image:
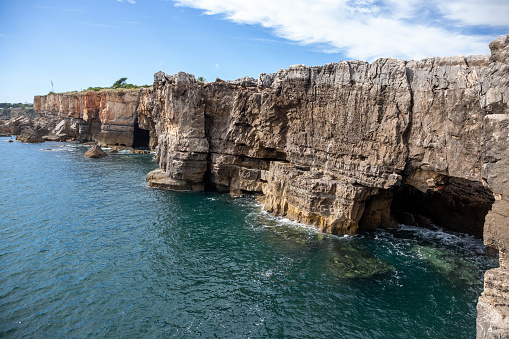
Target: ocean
<point>87,249</point>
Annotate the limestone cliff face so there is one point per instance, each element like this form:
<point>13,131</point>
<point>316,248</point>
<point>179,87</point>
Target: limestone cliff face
<point>331,145</point>
<point>304,137</point>
<point>107,117</point>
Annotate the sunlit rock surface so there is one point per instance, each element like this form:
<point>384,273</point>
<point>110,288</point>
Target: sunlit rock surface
<point>95,152</point>
<point>108,117</point>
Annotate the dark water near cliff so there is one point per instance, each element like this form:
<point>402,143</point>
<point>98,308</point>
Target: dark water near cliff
<point>86,249</point>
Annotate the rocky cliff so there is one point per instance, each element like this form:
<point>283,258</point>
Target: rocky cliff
<point>108,117</point>
<point>493,305</point>
<point>332,145</point>
<point>345,146</point>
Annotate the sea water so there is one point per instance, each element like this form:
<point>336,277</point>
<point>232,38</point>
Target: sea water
<point>88,250</point>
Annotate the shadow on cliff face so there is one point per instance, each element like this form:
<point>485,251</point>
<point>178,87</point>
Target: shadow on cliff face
<point>459,205</point>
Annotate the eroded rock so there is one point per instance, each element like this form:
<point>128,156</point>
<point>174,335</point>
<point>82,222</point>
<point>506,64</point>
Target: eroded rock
<point>106,117</point>
<point>95,152</point>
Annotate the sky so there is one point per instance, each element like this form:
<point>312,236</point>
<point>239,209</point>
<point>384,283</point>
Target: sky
<point>75,44</point>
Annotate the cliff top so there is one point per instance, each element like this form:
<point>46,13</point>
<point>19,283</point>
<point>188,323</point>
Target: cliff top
<point>102,90</point>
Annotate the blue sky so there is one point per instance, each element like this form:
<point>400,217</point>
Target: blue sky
<point>82,43</point>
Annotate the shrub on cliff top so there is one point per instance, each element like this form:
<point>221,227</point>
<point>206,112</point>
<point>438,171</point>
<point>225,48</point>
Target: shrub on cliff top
<point>95,89</point>
<point>119,83</point>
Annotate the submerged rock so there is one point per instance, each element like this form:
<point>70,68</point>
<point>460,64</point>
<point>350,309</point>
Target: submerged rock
<point>350,262</point>
<point>95,152</point>
<point>140,151</point>
<point>447,263</point>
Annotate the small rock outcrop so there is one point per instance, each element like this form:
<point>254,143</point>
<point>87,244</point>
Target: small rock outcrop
<point>95,152</point>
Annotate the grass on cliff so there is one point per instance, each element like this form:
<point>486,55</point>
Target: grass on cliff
<point>123,87</point>
<point>119,85</point>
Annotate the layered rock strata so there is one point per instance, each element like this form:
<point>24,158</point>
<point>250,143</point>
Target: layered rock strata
<point>330,145</point>
<point>107,117</point>
<point>345,146</point>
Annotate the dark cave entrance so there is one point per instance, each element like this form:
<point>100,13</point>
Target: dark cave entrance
<point>459,205</point>
<point>141,137</point>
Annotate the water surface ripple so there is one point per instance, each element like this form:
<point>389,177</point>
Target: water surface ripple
<point>87,249</point>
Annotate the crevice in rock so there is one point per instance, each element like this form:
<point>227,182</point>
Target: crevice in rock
<point>406,133</point>
<point>209,186</point>
<point>280,157</point>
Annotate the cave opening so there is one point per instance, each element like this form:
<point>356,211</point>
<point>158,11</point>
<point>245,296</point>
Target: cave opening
<point>456,204</point>
<point>459,205</point>
<point>141,137</point>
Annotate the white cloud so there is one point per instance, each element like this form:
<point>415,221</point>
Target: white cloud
<point>132,2</point>
<point>474,12</point>
<point>368,29</point>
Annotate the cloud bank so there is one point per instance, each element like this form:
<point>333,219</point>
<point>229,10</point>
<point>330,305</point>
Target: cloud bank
<point>369,29</point>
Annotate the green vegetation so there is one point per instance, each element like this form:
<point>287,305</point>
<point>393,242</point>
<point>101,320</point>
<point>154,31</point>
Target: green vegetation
<point>18,105</point>
<point>119,84</point>
<point>202,79</point>
<point>14,110</point>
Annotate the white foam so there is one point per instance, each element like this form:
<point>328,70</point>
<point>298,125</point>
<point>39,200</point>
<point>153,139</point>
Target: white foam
<point>439,235</point>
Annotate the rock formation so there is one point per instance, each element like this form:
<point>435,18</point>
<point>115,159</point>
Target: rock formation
<point>347,146</point>
<point>331,145</point>
<point>108,117</point>
<point>95,152</point>
<point>27,129</point>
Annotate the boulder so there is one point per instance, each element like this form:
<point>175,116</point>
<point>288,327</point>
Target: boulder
<point>29,135</point>
<point>95,152</point>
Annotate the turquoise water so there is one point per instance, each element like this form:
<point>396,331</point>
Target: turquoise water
<point>87,249</point>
